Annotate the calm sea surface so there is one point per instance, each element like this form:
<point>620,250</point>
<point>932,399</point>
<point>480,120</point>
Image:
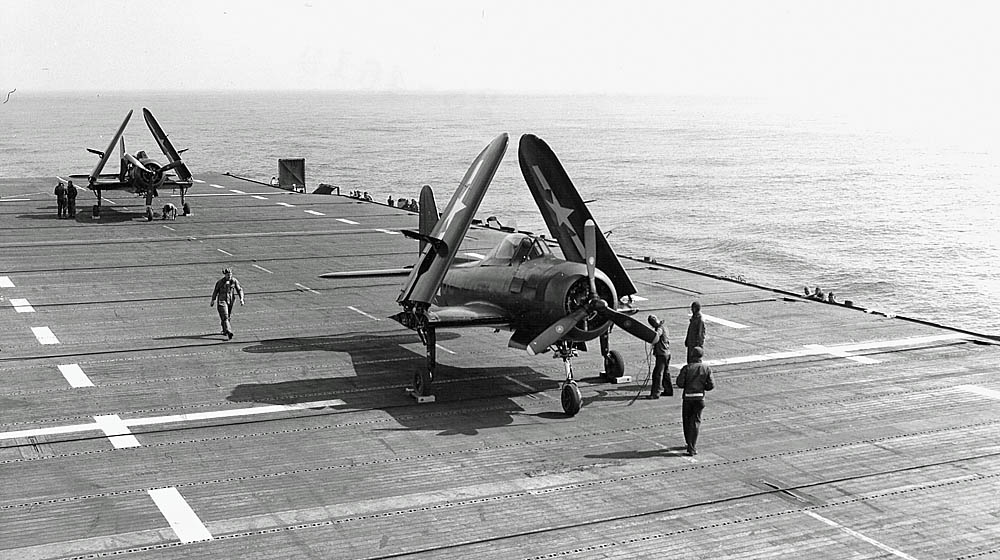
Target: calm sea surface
<point>728,186</point>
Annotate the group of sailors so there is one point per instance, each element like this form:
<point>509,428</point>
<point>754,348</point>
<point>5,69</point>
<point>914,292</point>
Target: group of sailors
<point>403,203</point>
<point>362,195</point>
<point>819,295</point>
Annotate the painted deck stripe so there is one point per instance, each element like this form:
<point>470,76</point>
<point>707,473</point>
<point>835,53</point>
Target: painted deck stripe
<point>306,288</point>
<point>174,418</point>
<point>116,430</point>
<point>198,181</point>
<point>14,199</point>
<point>75,376</point>
<point>476,256</point>
<point>638,298</point>
<point>258,197</point>
<point>182,519</point>
<point>5,282</point>
<point>445,349</point>
<point>841,354</point>
<point>224,252</point>
<point>21,305</point>
<point>44,335</point>
<point>285,204</point>
<point>531,390</point>
<point>356,310</point>
<point>858,535</point>
<point>257,266</point>
<point>170,228</point>
<point>216,186</point>
<point>346,221</point>
<point>237,191</point>
<point>723,322</point>
<point>389,231</point>
<point>315,213</point>
<point>982,391</point>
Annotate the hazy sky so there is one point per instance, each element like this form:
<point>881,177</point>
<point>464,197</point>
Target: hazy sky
<point>906,50</point>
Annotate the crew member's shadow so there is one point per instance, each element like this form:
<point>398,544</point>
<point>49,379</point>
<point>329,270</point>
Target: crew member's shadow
<point>85,216</point>
<point>676,451</point>
<point>381,360</point>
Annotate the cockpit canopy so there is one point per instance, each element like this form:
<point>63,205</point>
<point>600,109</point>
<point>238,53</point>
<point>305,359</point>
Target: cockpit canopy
<point>515,249</point>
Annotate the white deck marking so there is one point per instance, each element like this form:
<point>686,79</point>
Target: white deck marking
<point>389,231</point>
<point>224,252</point>
<point>14,199</point>
<point>216,186</point>
<point>356,310</point>
<point>532,390</point>
<point>476,256</point>
<point>315,213</point>
<point>835,350</point>
<point>842,354</point>
<point>346,221</point>
<point>182,519</point>
<point>258,197</point>
<point>75,376</point>
<point>307,288</point>
<point>5,282</point>
<point>116,430</point>
<point>723,322</point>
<point>198,181</point>
<point>236,191</point>
<point>44,335</point>
<point>21,305</point>
<point>286,204</point>
<point>638,298</point>
<point>257,266</point>
<point>173,418</point>
<point>858,535</point>
<point>443,348</point>
<point>982,391</point>
<point>170,228</point>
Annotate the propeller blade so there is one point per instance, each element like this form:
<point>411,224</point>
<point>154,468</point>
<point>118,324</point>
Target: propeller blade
<point>132,159</point>
<point>555,332</point>
<point>628,324</point>
<point>171,165</point>
<point>590,246</point>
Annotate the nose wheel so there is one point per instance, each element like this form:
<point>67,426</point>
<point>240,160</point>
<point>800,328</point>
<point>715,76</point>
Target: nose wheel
<point>572,400</point>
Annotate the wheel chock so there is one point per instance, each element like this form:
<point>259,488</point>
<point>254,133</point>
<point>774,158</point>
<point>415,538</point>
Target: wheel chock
<point>620,380</point>
<point>421,399</point>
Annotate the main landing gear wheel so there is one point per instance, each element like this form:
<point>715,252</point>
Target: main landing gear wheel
<point>572,400</point>
<point>614,365</point>
<point>149,214</point>
<point>422,383</point>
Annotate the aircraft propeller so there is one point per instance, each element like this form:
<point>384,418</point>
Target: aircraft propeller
<point>595,304</point>
<point>134,161</point>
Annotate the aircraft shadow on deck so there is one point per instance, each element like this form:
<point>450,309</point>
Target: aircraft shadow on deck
<point>85,215</point>
<point>383,359</point>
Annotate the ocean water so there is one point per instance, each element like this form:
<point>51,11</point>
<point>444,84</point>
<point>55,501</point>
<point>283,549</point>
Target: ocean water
<point>733,187</point>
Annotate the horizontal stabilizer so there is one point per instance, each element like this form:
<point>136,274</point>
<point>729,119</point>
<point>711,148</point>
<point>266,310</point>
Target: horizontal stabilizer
<point>439,245</point>
<point>368,273</point>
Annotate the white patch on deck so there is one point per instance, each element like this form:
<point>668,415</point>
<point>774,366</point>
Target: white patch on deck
<point>346,221</point>
<point>315,213</point>
<point>389,231</point>
<point>182,519</point>
<point>216,186</point>
<point>224,252</point>
<point>356,310</point>
<point>258,197</point>
<point>236,191</point>
<point>116,430</point>
<point>841,354</point>
<point>723,322</point>
<point>75,376</point>
<point>257,266</point>
<point>981,391</point>
<point>306,288</point>
<point>21,305</point>
<point>170,228</point>
<point>285,204</point>
<point>476,256</point>
<point>44,335</point>
<point>445,349</point>
<point>858,535</point>
<point>5,282</point>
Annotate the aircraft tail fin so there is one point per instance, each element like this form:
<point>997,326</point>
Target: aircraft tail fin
<point>428,214</point>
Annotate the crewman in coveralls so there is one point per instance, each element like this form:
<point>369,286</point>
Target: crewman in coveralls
<point>695,378</point>
<point>71,198</point>
<point>226,290</point>
<point>60,193</point>
<point>661,354</point>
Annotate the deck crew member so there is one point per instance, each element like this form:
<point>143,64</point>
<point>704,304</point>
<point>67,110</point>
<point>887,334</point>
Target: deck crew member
<point>661,355</point>
<point>71,198</point>
<point>60,193</point>
<point>696,331</point>
<point>169,211</point>
<point>226,290</point>
<point>695,378</point>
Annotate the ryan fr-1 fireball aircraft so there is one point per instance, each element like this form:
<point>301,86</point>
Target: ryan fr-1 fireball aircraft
<point>139,174</point>
<point>548,302</point>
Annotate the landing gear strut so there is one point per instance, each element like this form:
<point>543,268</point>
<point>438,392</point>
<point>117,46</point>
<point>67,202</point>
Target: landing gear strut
<point>572,400</point>
<point>614,365</point>
<point>424,377</point>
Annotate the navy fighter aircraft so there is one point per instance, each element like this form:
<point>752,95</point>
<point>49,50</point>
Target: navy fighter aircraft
<point>139,174</point>
<point>548,302</point>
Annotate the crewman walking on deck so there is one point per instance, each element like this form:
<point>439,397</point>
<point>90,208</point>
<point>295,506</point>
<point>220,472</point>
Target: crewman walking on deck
<point>226,290</point>
<point>71,198</point>
<point>695,378</point>
<point>60,193</point>
<point>696,331</point>
<point>661,355</point>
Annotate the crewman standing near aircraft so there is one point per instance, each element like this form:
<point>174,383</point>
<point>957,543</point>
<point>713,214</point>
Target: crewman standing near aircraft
<point>695,378</point>
<point>696,331</point>
<point>226,290</point>
<point>661,355</point>
<point>71,198</point>
<point>60,193</point>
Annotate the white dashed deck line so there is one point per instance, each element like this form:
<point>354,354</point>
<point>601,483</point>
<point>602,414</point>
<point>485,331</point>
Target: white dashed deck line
<point>173,418</point>
<point>182,519</point>
<point>356,310</point>
<point>170,228</point>
<point>445,349</point>
<point>286,205</point>
<point>258,267</point>
<point>237,191</point>
<point>722,322</point>
<point>216,186</point>
<point>476,255</point>
<point>198,181</point>
<point>306,288</point>
<point>258,197</point>
<point>44,335</point>
<point>389,231</point>
<point>116,430</point>
<point>74,375</point>
<point>21,305</point>
<point>841,354</point>
<point>858,535</point>
<point>224,252</point>
<point>981,391</point>
<point>315,213</point>
<point>349,222</point>
<point>5,282</point>
<point>638,298</point>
